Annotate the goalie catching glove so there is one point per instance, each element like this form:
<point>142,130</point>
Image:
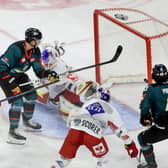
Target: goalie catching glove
<point>53,76</point>
<point>131,149</point>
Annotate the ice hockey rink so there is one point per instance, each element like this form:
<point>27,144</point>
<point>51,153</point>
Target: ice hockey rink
<point>70,21</point>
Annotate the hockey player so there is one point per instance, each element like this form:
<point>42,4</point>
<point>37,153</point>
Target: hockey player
<point>17,59</point>
<point>154,115</point>
<point>87,126</point>
<point>60,92</point>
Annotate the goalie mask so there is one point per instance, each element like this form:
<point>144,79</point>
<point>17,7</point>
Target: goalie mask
<point>51,57</point>
<point>160,73</point>
<point>87,89</point>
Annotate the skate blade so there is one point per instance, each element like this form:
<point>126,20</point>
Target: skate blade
<point>141,165</point>
<point>16,142</point>
<point>28,129</point>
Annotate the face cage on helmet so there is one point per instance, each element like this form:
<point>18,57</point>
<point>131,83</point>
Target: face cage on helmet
<point>160,78</point>
<point>159,73</point>
<point>91,92</point>
<point>47,60</point>
<point>30,37</point>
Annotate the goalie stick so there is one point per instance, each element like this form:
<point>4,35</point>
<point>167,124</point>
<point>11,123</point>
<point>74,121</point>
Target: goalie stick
<point>114,58</point>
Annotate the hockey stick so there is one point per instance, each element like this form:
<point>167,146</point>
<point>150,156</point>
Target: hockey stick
<point>138,158</point>
<point>115,57</point>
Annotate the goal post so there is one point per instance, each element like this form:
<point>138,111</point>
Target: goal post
<point>144,40</point>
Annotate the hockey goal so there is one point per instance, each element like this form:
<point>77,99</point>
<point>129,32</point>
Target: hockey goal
<point>144,40</point>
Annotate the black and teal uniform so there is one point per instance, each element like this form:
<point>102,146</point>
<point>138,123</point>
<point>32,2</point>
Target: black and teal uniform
<point>13,66</point>
<point>155,105</point>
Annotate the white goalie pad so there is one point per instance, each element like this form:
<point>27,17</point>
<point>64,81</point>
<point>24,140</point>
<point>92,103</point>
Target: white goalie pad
<point>66,107</point>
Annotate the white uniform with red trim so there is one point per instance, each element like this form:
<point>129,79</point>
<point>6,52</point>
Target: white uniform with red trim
<point>95,117</point>
<point>88,124</point>
<point>60,67</point>
<point>57,64</point>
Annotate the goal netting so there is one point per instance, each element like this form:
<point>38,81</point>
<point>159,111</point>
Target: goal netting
<point>144,40</point>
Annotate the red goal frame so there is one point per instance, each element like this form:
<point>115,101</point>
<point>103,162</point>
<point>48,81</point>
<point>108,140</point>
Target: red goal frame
<point>101,13</point>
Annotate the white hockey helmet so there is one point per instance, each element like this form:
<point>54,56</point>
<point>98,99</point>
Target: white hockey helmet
<point>51,54</point>
<point>87,89</point>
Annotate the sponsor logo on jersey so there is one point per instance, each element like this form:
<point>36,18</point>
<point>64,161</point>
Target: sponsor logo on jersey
<point>32,59</point>
<point>77,121</point>
<point>23,60</point>
<point>95,108</point>
<point>5,59</point>
<point>90,125</point>
<point>165,90</point>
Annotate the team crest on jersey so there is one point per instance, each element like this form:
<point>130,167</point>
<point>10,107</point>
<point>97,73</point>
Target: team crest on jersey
<point>32,59</point>
<point>23,60</point>
<point>5,59</point>
<point>95,108</point>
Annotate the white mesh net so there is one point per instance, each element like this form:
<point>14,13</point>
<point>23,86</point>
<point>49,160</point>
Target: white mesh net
<point>134,30</point>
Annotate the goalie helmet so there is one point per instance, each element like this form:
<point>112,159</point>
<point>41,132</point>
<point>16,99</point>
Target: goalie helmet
<point>49,55</point>
<point>33,34</point>
<point>159,73</point>
<point>52,60</point>
<point>87,89</point>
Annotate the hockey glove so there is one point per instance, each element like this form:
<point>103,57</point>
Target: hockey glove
<point>146,120</point>
<point>131,149</point>
<point>16,90</point>
<point>53,76</point>
<point>104,94</point>
<point>11,82</point>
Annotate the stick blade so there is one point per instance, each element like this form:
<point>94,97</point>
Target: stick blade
<point>117,54</point>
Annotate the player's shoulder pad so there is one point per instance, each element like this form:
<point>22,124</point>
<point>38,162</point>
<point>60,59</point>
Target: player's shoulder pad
<point>156,84</point>
<point>150,87</point>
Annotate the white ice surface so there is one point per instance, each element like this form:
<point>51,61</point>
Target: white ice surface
<point>72,23</point>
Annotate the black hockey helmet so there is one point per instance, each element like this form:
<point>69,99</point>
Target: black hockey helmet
<point>159,73</point>
<point>32,34</point>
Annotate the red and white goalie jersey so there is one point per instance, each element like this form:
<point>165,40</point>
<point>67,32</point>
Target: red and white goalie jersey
<point>51,56</point>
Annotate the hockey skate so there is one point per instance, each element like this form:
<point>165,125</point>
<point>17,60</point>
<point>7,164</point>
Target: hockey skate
<point>147,165</point>
<point>32,126</point>
<point>58,164</point>
<point>15,138</point>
